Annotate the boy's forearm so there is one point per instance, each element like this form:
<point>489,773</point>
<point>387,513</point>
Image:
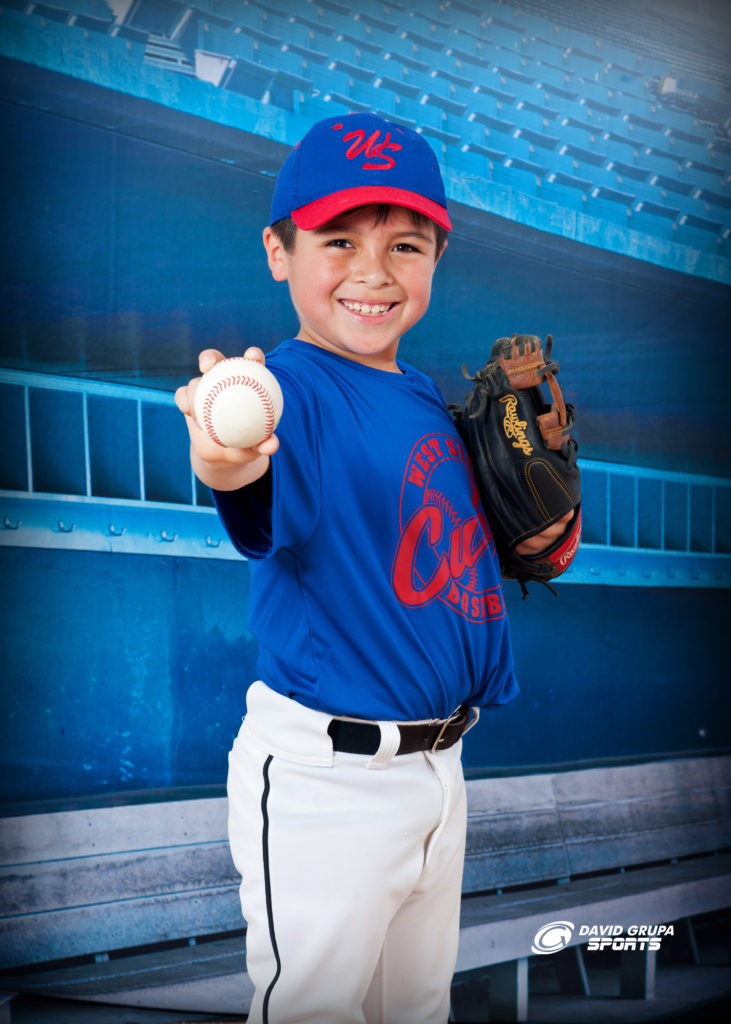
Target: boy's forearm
<point>228,477</point>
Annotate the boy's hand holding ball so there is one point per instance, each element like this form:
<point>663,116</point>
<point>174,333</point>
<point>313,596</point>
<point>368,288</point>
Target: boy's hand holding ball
<point>238,403</point>
<point>231,411</point>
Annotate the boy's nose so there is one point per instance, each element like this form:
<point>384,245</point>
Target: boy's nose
<point>372,269</point>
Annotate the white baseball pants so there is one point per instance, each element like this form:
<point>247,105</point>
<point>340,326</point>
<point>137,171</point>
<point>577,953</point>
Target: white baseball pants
<point>351,870</point>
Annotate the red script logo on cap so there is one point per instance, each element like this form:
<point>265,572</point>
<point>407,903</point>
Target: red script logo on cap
<point>372,148</point>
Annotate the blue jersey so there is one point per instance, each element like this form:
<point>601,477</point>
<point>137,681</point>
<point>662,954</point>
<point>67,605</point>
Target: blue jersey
<point>375,587</point>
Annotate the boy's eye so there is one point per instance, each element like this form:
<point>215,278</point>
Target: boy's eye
<point>405,247</point>
<point>339,243</point>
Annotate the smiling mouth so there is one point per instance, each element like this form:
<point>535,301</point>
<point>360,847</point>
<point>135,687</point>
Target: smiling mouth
<point>368,308</point>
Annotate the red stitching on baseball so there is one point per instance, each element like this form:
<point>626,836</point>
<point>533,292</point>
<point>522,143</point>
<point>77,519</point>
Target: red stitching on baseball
<point>253,384</point>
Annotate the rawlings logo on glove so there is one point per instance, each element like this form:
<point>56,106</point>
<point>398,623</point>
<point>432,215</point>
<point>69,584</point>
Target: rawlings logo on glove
<point>523,456</point>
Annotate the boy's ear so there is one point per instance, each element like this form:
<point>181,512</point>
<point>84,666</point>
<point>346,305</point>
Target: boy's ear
<point>276,255</point>
<point>440,253</point>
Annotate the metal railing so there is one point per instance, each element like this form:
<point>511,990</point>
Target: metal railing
<point>100,466</point>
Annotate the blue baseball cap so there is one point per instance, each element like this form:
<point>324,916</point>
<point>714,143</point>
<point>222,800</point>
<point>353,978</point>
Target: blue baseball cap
<point>344,162</point>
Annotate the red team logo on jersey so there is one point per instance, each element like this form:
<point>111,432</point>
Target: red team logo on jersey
<point>441,547</point>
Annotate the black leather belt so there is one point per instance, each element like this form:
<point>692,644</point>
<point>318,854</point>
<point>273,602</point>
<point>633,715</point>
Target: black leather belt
<point>365,737</point>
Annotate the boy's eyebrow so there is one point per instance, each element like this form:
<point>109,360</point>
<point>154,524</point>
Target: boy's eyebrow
<point>334,228</point>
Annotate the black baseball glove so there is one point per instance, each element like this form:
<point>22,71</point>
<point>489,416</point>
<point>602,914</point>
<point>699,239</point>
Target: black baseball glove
<point>523,455</point>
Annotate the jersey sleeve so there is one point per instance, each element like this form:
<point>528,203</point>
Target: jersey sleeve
<point>282,509</point>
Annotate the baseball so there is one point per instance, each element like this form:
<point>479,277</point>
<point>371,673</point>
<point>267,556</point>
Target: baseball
<point>238,403</point>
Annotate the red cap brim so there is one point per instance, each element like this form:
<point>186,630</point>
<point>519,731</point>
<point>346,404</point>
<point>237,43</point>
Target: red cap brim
<point>319,212</point>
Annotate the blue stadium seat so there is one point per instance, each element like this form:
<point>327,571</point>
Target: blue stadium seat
<point>491,99</point>
<point>328,16</point>
<point>437,124</point>
<point>691,145</point>
<point>610,204</point>
<point>333,103</point>
<point>585,160</point>
<point>566,190</point>
<point>706,173</point>
<point>303,35</point>
<point>541,46</point>
<point>556,86</point>
<point>716,203</point>
<point>215,38</point>
<point>493,122</point>
<point>404,64</point>
<point>461,83</point>
<point>356,44</point>
<point>447,103</point>
<point>621,146</point>
<point>156,17</point>
<point>580,62</point>
<point>430,22</point>
<point>463,16</point>
<point>502,30</point>
<point>478,139</point>
<point>600,119</point>
<point>593,90</point>
<point>525,175</point>
<point>529,115</point>
<point>514,60</point>
<point>306,54</point>
<point>655,219</point>
<point>666,161</point>
<point>645,126</point>
<point>397,113</point>
<point>369,38</point>
<point>359,71</point>
<point>250,79</point>
<point>619,76</point>
<point>385,25</point>
<point>632,102</point>
<point>478,56</point>
<point>521,82</point>
<point>423,47</point>
<point>404,89</point>
<point>92,14</point>
<point>579,132</point>
<point>626,177</point>
<point>673,191</point>
<point>538,140</point>
<point>340,87</point>
<point>703,233</point>
<point>682,120</point>
<point>566,36</point>
<point>272,20</point>
<point>537,112</point>
<point>228,10</point>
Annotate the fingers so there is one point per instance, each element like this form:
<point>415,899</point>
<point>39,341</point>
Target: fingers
<point>182,400</point>
<point>544,539</point>
<point>268,447</point>
<point>204,447</point>
<point>208,358</point>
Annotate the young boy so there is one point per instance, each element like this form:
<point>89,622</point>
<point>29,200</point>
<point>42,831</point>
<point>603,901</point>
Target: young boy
<point>375,597</point>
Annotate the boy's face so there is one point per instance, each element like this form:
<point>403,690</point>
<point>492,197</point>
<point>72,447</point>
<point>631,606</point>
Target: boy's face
<point>358,286</point>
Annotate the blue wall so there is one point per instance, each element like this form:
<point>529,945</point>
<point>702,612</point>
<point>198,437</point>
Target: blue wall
<point>125,673</point>
<point>132,241</point>
<point>135,254</point>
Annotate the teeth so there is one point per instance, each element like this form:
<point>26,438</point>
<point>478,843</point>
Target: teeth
<point>366,309</point>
